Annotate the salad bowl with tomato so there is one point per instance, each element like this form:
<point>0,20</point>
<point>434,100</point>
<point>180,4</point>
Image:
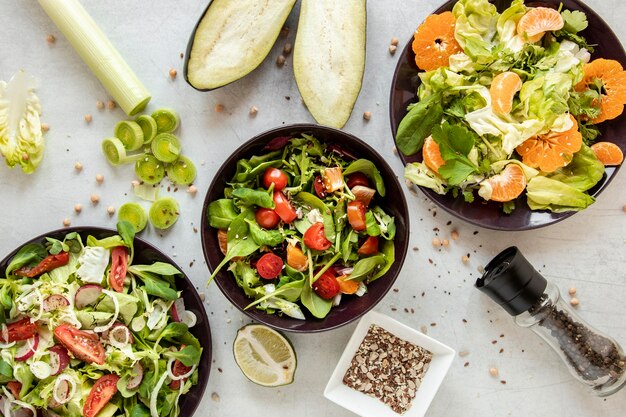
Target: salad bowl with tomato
<point>97,322</point>
<point>305,228</point>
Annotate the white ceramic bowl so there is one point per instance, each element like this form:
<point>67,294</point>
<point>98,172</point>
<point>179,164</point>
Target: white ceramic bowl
<point>367,406</point>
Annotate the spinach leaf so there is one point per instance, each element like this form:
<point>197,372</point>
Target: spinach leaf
<point>221,213</point>
<point>28,255</point>
<point>417,125</point>
<point>366,267</point>
<point>155,285</point>
<point>139,410</point>
<point>371,226</point>
<point>252,172</point>
<point>290,292</point>
<point>348,244</point>
<point>313,202</point>
<point>314,303</point>
<point>388,250</point>
<point>189,355</point>
<point>455,143</point>
<point>159,268</point>
<point>264,237</point>
<point>368,168</point>
<point>250,197</point>
<point>6,371</point>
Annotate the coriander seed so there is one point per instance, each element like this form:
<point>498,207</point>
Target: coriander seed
<point>574,301</point>
<point>51,39</point>
<point>45,127</point>
<point>280,61</point>
<point>111,105</point>
<point>192,189</point>
<point>454,235</point>
<point>111,210</point>
<point>392,49</point>
<point>436,242</point>
<point>173,73</point>
<point>367,115</point>
<point>78,208</point>
<point>493,371</point>
<point>464,259</point>
<point>253,111</point>
<point>66,222</point>
<point>99,178</point>
<point>394,41</point>
<point>287,48</point>
<point>100,105</point>
<point>78,166</point>
<point>88,118</point>
<point>95,199</point>
<point>572,291</point>
<point>219,108</point>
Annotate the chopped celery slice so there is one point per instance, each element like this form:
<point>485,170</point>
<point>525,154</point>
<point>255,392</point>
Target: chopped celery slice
<point>167,120</point>
<point>148,126</point>
<point>134,214</point>
<point>130,134</point>
<point>115,152</point>
<point>166,147</point>
<point>149,169</point>
<point>164,213</point>
<point>182,171</point>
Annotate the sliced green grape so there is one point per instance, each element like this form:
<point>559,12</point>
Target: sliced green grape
<point>148,126</point>
<point>167,120</point>
<point>182,171</point>
<point>130,134</point>
<point>115,153</point>
<point>166,147</point>
<point>164,213</point>
<point>149,169</point>
<point>134,214</point>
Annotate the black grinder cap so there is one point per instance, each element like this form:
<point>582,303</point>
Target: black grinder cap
<point>512,282</point>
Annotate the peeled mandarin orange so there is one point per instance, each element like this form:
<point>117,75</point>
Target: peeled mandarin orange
<point>432,155</point>
<point>608,153</point>
<point>552,150</point>
<point>502,90</point>
<point>347,285</point>
<point>537,21</point>
<point>508,184</point>
<point>434,41</point>
<point>613,78</point>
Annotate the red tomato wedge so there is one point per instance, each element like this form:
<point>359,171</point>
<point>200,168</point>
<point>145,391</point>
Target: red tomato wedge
<point>356,215</point>
<point>101,393</point>
<point>275,176</point>
<point>119,265</point>
<point>369,247</point>
<point>267,218</point>
<point>47,264</point>
<point>283,208</point>
<point>85,346</point>
<point>20,330</point>
<point>269,266</point>
<point>358,178</point>
<point>315,238</point>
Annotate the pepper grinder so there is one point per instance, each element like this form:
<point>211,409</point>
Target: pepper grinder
<point>592,357</point>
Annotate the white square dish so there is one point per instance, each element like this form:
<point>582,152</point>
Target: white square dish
<point>367,406</point>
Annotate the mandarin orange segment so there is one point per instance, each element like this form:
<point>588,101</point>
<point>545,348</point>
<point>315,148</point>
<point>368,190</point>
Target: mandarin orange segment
<point>503,88</point>
<point>432,155</point>
<point>346,285</point>
<point>507,185</point>
<point>552,150</point>
<point>434,41</point>
<point>608,153</point>
<point>537,21</point>
<point>613,78</point>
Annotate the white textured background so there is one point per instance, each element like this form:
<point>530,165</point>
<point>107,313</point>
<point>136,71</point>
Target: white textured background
<point>587,251</point>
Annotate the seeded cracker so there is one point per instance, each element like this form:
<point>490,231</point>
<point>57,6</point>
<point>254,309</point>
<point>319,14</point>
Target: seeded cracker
<point>388,368</point>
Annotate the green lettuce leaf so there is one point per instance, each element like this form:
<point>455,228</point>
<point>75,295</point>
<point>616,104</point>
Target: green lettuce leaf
<point>548,194</point>
<point>475,28</point>
<point>583,172</point>
<point>419,174</point>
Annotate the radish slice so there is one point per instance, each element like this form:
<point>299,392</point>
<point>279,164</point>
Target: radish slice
<point>189,318</point>
<point>137,377</point>
<point>119,335</point>
<point>27,348</point>
<point>55,302</point>
<point>59,359</point>
<point>87,295</point>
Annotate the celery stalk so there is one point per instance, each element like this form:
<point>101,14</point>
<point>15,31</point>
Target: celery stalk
<point>98,53</point>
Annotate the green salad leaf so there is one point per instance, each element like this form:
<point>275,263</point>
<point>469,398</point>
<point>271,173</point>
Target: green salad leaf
<point>417,125</point>
<point>221,213</point>
<point>368,168</point>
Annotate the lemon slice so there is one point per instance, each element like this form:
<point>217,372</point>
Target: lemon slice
<point>264,355</point>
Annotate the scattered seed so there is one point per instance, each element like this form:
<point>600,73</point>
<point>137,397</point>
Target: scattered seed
<point>284,31</point>
<point>574,301</point>
<point>95,199</point>
<point>367,115</point>
<point>624,208</point>
<point>88,118</point>
<point>464,259</point>
<point>253,111</point>
<point>445,242</point>
<point>454,235</point>
<point>219,108</point>
<point>51,39</point>
<point>436,242</point>
<point>215,397</point>
<point>45,127</point>
<point>111,210</point>
<point>392,49</point>
<point>78,208</point>
<point>466,364</point>
<point>202,295</point>
<point>99,178</point>
<point>480,269</point>
<point>182,55</point>
<point>100,105</point>
<point>572,291</point>
<point>463,353</point>
<point>503,382</point>
<point>287,48</point>
<point>173,73</point>
<point>111,104</point>
<point>280,61</point>
<point>192,189</point>
<point>78,166</point>
<point>394,41</point>
<point>66,222</point>
<point>493,371</point>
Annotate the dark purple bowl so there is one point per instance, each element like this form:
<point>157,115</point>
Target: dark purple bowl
<point>489,214</point>
<point>146,253</point>
<point>350,308</point>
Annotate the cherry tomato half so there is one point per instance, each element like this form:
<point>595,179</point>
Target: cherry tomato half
<point>283,207</point>
<point>358,178</point>
<point>101,393</point>
<point>85,346</point>
<point>369,247</point>
<point>356,215</point>
<point>315,238</point>
<point>318,184</point>
<point>276,176</point>
<point>269,266</point>
<point>20,330</point>
<point>326,286</point>
<point>267,218</point>
<point>119,265</point>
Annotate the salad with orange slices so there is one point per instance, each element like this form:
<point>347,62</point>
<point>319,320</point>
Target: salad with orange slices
<point>508,104</point>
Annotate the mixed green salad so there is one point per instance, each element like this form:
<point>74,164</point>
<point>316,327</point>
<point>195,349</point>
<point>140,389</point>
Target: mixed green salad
<point>514,88</point>
<point>85,332</point>
<point>301,224</point>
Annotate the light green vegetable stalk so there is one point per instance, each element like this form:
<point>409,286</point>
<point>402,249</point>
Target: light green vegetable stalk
<point>98,53</point>
<point>21,140</point>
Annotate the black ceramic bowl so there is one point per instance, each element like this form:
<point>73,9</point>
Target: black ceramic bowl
<point>146,253</point>
<point>489,214</point>
<point>350,308</point>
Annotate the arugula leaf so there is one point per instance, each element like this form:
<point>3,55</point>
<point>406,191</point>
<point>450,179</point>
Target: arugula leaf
<point>221,213</point>
<point>314,303</point>
<point>28,255</point>
<point>418,123</point>
<point>388,250</point>
<point>368,168</point>
<point>260,198</point>
<point>366,267</point>
<point>455,143</point>
<point>371,226</point>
